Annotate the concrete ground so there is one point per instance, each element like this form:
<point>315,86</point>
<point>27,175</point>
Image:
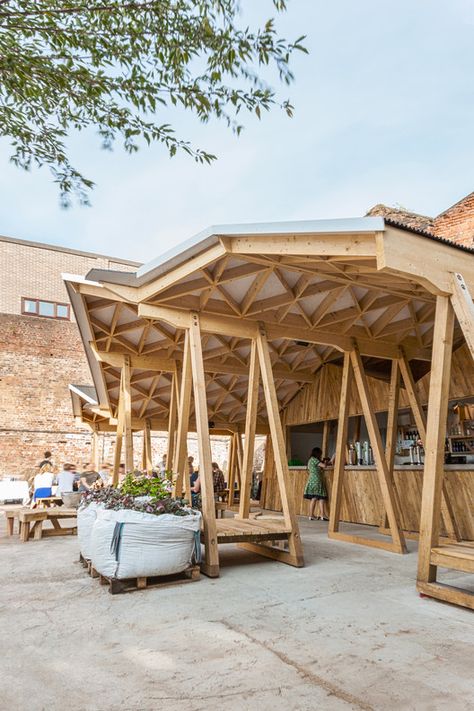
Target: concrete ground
<point>348,631</point>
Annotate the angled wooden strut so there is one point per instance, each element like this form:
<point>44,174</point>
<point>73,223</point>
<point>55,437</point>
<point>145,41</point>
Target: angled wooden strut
<point>147,453</point>
<point>384,475</point>
<point>458,556</point>
<point>172,420</point>
<point>119,435</point>
<point>341,440</point>
<point>179,464</point>
<point>463,306</point>
<point>210,565</point>
<point>447,514</point>
<point>127,410</point>
<point>250,426</point>
<point>294,555</point>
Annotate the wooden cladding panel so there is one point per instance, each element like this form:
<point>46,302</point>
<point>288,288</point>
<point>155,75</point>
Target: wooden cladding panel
<point>320,400</point>
<point>362,501</point>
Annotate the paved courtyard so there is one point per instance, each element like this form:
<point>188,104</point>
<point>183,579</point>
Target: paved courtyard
<point>348,631</point>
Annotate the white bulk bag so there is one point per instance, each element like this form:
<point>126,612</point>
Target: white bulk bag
<point>145,545</point>
<point>86,516</point>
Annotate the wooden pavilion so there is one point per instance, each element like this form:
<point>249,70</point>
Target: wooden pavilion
<point>226,331</point>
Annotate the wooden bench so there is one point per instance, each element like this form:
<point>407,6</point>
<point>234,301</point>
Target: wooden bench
<point>31,523</point>
<point>458,556</point>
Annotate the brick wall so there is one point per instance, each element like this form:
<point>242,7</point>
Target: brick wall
<point>38,359</point>
<point>34,271</point>
<point>457,223</point>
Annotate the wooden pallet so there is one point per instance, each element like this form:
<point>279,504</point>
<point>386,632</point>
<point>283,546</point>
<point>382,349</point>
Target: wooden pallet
<point>116,587</point>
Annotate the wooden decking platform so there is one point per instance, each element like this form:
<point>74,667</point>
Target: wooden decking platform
<point>234,530</point>
<point>458,556</point>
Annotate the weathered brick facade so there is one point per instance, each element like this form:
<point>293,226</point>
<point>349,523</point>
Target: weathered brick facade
<point>457,222</point>
<point>40,356</point>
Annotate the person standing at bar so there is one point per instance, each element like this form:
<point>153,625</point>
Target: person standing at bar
<point>315,490</point>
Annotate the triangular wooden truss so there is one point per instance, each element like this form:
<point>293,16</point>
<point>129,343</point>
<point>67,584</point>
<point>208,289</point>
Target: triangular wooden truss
<point>249,533</point>
<point>432,553</point>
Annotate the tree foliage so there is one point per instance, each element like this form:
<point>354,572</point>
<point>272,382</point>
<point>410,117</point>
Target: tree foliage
<point>68,65</point>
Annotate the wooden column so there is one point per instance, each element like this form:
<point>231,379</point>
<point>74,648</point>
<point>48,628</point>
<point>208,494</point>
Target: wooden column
<point>147,447</point>
<point>392,418</point>
<point>295,548</point>
<point>250,427</point>
<point>435,437</point>
<point>463,305</point>
<point>180,465</point>
<point>239,458</point>
<point>127,410</point>
<point>447,514</point>
<point>392,429</point>
<point>325,442</point>
<point>210,565</point>
<point>173,413</point>
<point>119,436</point>
<point>341,441</point>
<point>95,450</point>
<point>384,475</point>
<point>231,469</point>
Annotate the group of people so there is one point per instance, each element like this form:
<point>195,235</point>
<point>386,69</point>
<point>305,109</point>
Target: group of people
<point>51,481</point>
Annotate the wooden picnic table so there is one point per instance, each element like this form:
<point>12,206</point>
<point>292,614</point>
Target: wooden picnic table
<point>31,522</point>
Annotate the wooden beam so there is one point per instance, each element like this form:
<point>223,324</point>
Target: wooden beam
<point>325,442</point>
<point>320,245</point>
<point>420,419</point>
<point>210,565</point>
<point>341,441</point>
<point>463,306</point>
<point>118,438</point>
<point>399,252</point>
<point>95,450</point>
<point>250,425</point>
<point>413,396</point>
<point>392,417</point>
<point>127,409</point>
<point>211,365</point>
<point>173,413</point>
<point>278,441</point>
<point>386,483</point>
<point>247,328</point>
<point>435,438</point>
<point>147,447</point>
<point>179,465</point>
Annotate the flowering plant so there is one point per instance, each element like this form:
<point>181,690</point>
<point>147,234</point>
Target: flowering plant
<point>146,495</point>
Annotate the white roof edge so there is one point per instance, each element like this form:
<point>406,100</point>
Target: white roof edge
<point>210,236</point>
<point>80,393</point>
<point>86,335</point>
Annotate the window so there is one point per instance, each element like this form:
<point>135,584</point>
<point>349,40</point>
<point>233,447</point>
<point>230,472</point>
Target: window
<point>48,309</point>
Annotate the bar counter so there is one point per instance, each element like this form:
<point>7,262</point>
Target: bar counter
<point>362,500</point>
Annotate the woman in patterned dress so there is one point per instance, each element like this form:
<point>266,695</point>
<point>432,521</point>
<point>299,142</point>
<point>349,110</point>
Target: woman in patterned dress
<point>315,489</point>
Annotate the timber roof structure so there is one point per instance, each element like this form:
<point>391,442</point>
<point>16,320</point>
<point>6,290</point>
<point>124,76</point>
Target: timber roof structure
<point>316,288</point>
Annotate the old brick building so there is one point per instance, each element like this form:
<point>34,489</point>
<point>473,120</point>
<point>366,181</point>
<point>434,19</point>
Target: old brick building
<point>456,223</point>
<point>40,353</point>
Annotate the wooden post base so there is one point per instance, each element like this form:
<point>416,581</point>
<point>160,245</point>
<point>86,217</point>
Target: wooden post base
<point>369,542</point>
<point>211,571</point>
<point>274,553</point>
<point>447,593</point>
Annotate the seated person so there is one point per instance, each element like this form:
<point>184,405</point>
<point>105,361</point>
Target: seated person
<point>88,479</point>
<point>66,480</point>
<point>218,481</point>
<point>43,483</point>
<point>104,473</point>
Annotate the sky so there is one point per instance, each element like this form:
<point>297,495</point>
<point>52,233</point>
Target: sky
<point>384,111</point>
